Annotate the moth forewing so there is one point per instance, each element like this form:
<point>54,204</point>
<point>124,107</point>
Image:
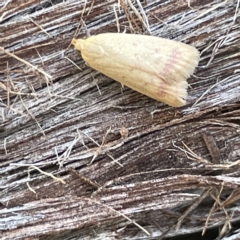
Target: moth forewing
<point>154,66</point>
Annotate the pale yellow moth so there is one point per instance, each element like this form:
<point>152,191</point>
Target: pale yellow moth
<point>154,66</point>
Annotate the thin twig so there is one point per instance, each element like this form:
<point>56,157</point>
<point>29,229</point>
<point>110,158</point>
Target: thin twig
<point>191,208</point>
<point>207,11</point>
<point>87,180</point>
<point>32,116</point>
<point>116,16</point>
<point>121,214</point>
<point>41,28</point>
<point>213,86</point>
<point>91,7</point>
<point>44,173</point>
<point>25,62</point>
<point>138,15</point>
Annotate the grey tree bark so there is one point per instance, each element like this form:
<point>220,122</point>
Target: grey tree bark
<point>83,158</point>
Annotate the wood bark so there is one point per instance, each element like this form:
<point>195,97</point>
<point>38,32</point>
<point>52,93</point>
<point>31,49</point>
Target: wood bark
<point>114,163</point>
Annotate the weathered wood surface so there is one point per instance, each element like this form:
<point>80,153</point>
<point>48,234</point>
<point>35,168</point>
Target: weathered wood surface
<point>138,171</point>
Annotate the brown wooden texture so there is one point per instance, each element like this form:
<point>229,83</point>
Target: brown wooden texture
<point>122,156</point>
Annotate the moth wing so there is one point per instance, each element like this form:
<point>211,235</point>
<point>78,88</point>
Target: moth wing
<point>150,85</point>
<point>153,66</point>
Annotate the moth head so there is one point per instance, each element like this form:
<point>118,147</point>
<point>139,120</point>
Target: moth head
<point>78,43</point>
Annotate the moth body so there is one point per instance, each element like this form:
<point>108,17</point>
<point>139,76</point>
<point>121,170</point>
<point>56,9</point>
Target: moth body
<point>154,66</point>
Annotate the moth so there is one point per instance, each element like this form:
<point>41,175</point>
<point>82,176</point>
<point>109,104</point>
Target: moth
<point>153,66</point>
